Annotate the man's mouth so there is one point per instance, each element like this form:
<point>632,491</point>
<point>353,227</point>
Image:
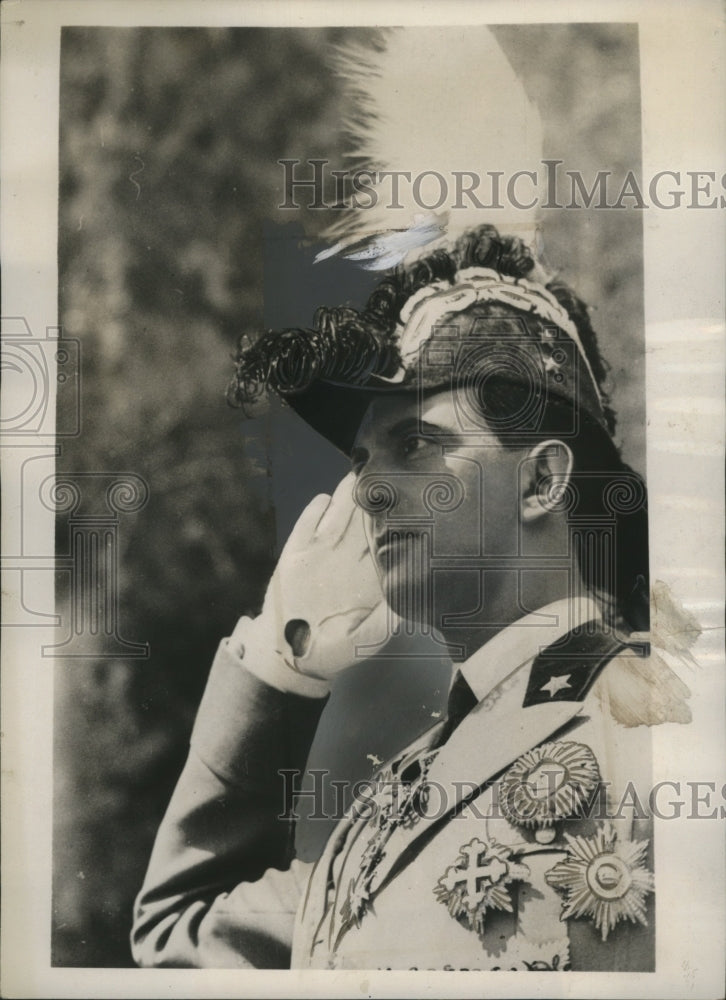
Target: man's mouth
<point>387,542</point>
<point>393,544</point>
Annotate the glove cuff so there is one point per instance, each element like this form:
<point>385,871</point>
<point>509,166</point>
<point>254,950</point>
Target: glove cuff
<point>264,653</point>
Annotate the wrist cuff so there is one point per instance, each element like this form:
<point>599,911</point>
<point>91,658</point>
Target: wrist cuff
<point>256,645</point>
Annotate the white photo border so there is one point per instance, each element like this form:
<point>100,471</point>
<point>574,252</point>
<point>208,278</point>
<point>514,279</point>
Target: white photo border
<point>683,69</point>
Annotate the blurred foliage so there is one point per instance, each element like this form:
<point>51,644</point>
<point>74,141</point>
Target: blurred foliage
<point>168,175</point>
<point>169,142</point>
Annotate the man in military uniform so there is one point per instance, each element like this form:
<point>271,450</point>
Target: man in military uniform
<point>487,502</point>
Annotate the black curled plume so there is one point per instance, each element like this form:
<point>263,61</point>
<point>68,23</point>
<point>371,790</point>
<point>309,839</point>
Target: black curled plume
<point>347,346</point>
<point>344,345</point>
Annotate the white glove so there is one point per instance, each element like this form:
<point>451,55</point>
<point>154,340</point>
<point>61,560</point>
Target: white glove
<point>322,604</point>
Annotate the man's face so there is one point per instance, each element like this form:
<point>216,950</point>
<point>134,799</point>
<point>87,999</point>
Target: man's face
<point>438,496</point>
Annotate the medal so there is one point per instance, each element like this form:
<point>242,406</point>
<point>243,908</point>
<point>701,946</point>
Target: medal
<point>549,783</point>
<point>395,803</point>
<point>603,877</point>
<point>478,881</point>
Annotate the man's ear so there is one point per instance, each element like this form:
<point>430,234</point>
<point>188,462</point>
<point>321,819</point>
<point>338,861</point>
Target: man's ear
<point>544,476</point>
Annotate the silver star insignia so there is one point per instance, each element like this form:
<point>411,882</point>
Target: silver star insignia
<point>555,684</point>
<point>551,365</point>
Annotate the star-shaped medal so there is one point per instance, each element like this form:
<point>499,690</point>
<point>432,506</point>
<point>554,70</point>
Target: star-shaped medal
<point>603,877</point>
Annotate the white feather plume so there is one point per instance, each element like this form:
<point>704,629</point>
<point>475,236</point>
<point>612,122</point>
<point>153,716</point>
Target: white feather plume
<point>442,99</point>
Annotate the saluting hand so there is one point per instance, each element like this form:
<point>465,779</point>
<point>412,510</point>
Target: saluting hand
<point>324,608</point>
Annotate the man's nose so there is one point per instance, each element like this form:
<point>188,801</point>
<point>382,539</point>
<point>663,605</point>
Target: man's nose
<point>406,496</point>
<point>377,493</point>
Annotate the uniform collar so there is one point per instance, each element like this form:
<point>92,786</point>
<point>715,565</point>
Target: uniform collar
<point>522,641</point>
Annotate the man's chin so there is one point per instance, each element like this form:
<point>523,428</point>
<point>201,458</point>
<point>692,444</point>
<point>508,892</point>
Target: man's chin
<point>410,600</point>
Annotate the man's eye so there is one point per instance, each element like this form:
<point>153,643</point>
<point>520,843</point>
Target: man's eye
<point>416,444</point>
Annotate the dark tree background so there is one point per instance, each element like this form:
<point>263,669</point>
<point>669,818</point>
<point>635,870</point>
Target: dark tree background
<point>169,186</point>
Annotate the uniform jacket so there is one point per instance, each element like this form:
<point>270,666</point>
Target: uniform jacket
<point>513,835</point>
